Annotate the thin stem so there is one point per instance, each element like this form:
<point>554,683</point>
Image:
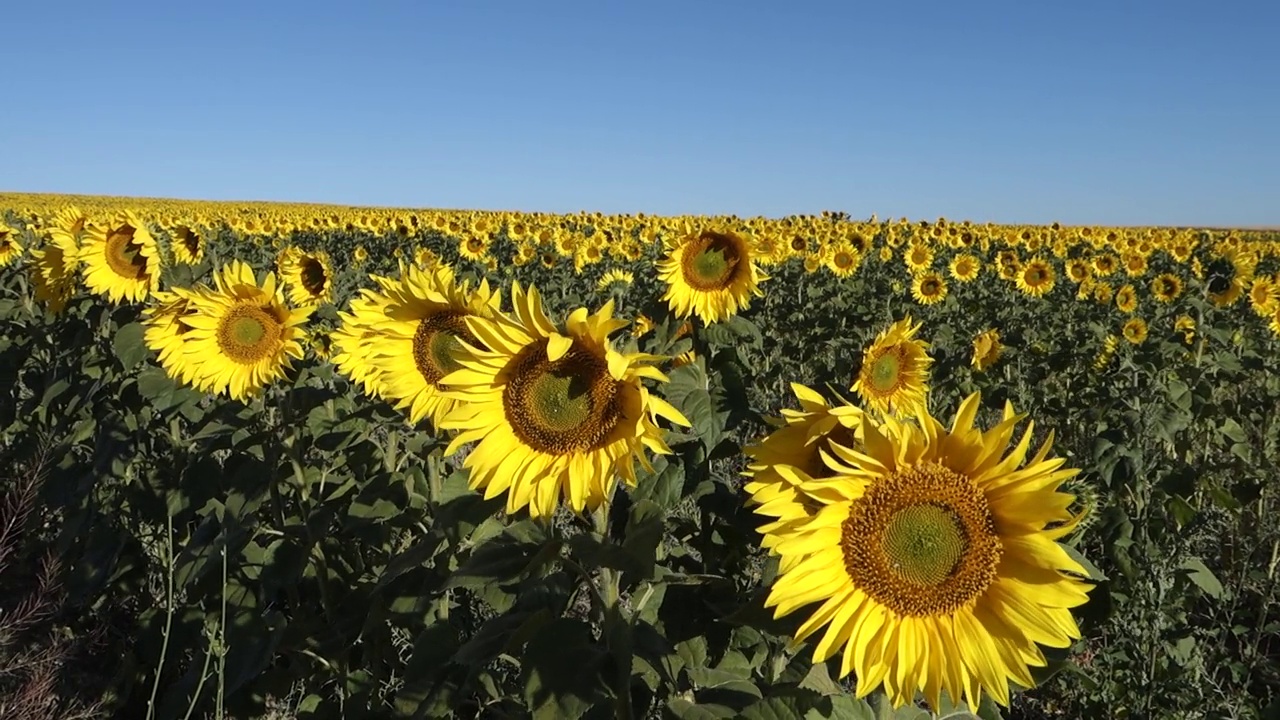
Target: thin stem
<point>168,620</point>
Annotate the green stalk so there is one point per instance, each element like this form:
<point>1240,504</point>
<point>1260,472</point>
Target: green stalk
<point>610,597</point>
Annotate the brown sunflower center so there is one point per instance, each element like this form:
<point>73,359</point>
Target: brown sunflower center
<point>711,261</point>
<point>249,333</point>
<point>1034,276</point>
<point>921,542</point>
<point>124,255</point>
<point>843,260</point>
<point>437,342</point>
<point>562,406</point>
<point>475,246</point>
<point>312,276</point>
<point>930,287</point>
<point>190,241</point>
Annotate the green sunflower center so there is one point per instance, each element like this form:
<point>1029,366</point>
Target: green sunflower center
<point>562,406</point>
<point>312,275</point>
<point>886,371</point>
<point>249,333</point>
<point>437,342</point>
<point>922,541</point>
<point>843,260</point>
<point>123,255</point>
<point>711,262</point>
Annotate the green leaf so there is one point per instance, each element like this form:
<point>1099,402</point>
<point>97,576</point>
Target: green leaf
<point>129,345</point>
<point>561,670</point>
<point>819,680</point>
<point>1203,577</point>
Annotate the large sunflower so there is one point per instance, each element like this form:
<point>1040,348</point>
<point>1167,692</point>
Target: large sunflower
<point>928,288</point>
<point>424,320</point>
<point>713,274</point>
<point>1035,278</point>
<point>894,378</point>
<point>242,335</point>
<point>121,259</point>
<point>10,245</point>
<point>166,331</point>
<point>308,275</point>
<point>933,556</point>
<point>351,343</point>
<point>553,411</point>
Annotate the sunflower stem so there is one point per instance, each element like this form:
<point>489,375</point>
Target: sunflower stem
<point>612,616</point>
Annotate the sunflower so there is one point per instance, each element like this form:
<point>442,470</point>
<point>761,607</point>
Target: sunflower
<point>1127,299</point>
<point>615,278</point>
<point>1264,294</point>
<point>1105,264</point>
<point>1135,330</point>
<point>187,245</point>
<point>1228,273</point>
<point>242,334</point>
<point>933,558</point>
<point>121,259</point>
<point>167,332</point>
<point>641,326</point>
<point>1135,265</point>
<point>67,230</point>
<point>843,259</point>
<point>1187,327</point>
<point>1166,287</point>
<point>894,378</point>
<point>474,247</point>
<point>351,342</point>
<point>359,255</point>
<point>964,267</point>
<point>422,325</point>
<point>1035,278</point>
<point>928,288</point>
<point>1103,292</point>
<point>308,276</point>
<point>53,272</point>
<point>553,411</point>
<point>10,245</point>
<point>426,258</point>
<point>1078,271</point>
<point>918,257</point>
<point>712,274</point>
<point>1109,346</point>
<point>793,454</point>
<point>986,350</point>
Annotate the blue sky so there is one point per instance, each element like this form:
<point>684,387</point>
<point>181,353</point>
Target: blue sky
<point>1116,112</point>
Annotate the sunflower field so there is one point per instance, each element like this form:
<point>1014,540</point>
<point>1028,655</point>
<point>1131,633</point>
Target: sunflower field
<point>303,461</point>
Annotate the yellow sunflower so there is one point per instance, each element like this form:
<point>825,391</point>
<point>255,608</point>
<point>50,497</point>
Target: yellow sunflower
<point>166,331</point>
<point>1187,327</point>
<point>964,267</point>
<point>933,558</point>
<point>712,274</point>
<point>1109,346</point>
<point>553,411</point>
<point>843,259</point>
<point>1135,265</point>
<point>986,350</point>
<point>53,272</point>
<point>894,378</point>
<point>793,454</point>
<point>419,333</point>
<point>1078,270</point>
<point>359,255</point>
<point>1166,287</point>
<point>1264,294</point>
<point>615,278</point>
<point>474,247</point>
<point>918,257</point>
<point>1127,299</point>
<point>10,245</point>
<point>242,334</point>
<point>351,342</point>
<point>308,276</point>
<point>66,230</point>
<point>121,259</point>
<point>928,288</point>
<point>187,245</point>
<point>1036,277</point>
<point>1105,264</point>
<point>1135,330</point>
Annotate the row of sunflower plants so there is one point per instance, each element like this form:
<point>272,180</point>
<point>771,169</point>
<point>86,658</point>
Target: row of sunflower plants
<point>437,487</point>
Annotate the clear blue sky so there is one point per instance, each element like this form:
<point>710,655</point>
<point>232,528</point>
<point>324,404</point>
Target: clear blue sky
<point>1086,112</point>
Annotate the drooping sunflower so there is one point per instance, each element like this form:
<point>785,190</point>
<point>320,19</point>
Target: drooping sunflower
<point>793,453</point>
<point>965,267</point>
<point>712,274</point>
<point>934,559</point>
<point>308,276</point>
<point>986,350</point>
<point>10,245</point>
<point>1166,287</point>
<point>553,411</point>
<point>1127,299</point>
<point>121,259</point>
<point>894,378</point>
<point>187,245</point>
<point>616,278</point>
<point>1135,330</point>
<point>242,334</point>
<point>1036,277</point>
<point>53,272</point>
<point>928,288</point>
<point>166,331</point>
<point>424,323</point>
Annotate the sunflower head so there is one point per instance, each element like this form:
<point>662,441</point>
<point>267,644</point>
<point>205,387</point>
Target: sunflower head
<point>307,275</point>
<point>1135,330</point>
<point>554,408</point>
<point>10,245</point>
<point>121,259</point>
<point>894,375</point>
<point>965,267</point>
<point>1035,278</point>
<point>713,274</point>
<point>187,245</point>
<point>1166,287</point>
<point>986,350</point>
<point>931,554</point>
